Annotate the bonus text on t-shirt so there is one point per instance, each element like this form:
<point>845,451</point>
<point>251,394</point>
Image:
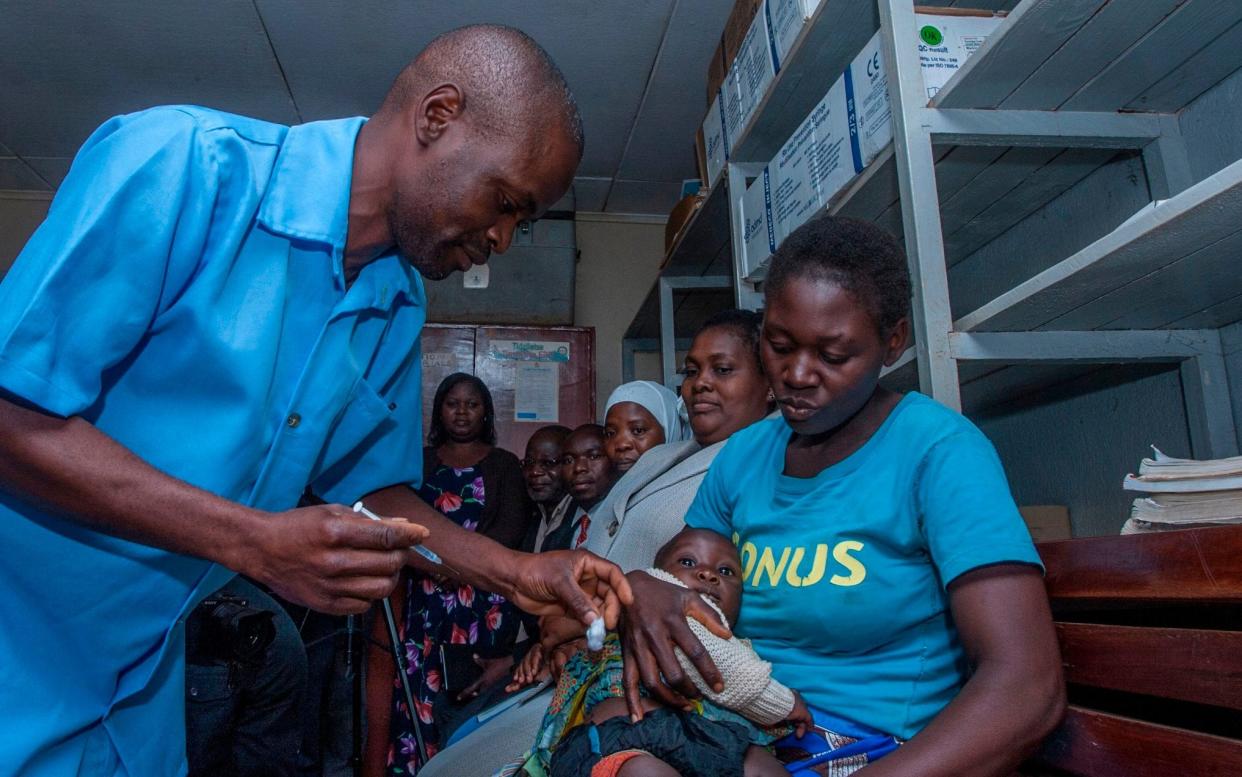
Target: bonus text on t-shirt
<point>770,569</point>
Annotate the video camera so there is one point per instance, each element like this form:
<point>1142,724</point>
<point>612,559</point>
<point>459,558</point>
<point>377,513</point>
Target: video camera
<point>224,627</point>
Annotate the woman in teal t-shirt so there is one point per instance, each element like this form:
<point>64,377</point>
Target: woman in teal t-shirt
<point>887,573</point>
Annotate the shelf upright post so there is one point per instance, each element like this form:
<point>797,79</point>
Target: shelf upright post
<point>920,205</point>
<point>668,341</point>
<point>745,292</point>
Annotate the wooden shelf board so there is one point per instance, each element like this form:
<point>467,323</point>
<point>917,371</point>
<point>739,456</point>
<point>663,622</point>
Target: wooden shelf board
<point>1172,265</point>
<point>1101,55</point>
<point>984,190</point>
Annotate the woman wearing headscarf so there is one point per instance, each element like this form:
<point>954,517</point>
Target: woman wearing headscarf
<point>724,391</point>
<point>640,415</point>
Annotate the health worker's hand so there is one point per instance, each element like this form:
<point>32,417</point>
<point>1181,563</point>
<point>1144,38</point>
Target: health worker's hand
<point>327,557</point>
<point>575,583</point>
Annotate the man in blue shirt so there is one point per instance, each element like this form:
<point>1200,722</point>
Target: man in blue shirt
<point>218,313</point>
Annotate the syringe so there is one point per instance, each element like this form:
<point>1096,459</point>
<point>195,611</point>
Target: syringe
<point>425,552</point>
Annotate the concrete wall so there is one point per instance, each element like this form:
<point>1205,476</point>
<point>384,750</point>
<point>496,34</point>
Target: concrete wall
<point>1091,209</point>
<point>1076,445</point>
<point>19,216</point>
<point>1210,128</point>
<point>617,265</point>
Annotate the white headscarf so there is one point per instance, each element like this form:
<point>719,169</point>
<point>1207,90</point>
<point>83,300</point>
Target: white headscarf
<point>665,406</point>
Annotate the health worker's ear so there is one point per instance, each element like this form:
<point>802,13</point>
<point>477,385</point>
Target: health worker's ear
<point>437,111</point>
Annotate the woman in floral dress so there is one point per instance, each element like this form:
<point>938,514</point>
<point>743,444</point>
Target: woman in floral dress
<point>480,487</point>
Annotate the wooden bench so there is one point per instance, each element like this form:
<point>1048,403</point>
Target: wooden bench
<point>1150,628</point>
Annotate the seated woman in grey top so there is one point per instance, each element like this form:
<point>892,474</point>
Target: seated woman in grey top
<point>724,391</point>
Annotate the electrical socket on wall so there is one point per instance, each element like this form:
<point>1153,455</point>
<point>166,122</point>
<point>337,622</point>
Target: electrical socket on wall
<point>476,277</point>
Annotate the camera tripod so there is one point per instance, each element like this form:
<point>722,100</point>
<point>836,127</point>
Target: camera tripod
<point>355,639</point>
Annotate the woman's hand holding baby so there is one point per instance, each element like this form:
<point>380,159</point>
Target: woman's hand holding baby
<point>653,625</point>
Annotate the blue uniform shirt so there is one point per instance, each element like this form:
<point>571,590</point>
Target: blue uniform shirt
<point>186,296</point>
<point>845,573</point>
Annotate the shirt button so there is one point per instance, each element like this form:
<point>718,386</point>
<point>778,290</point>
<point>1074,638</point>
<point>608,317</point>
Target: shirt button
<point>293,420</point>
<point>612,528</point>
<point>392,405</point>
<point>194,692</point>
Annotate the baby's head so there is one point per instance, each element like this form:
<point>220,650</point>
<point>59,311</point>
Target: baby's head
<point>707,563</point>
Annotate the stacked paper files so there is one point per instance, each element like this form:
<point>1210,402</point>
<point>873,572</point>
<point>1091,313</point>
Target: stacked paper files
<point>1184,493</point>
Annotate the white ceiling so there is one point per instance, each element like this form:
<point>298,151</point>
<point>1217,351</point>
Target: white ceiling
<point>638,68</point>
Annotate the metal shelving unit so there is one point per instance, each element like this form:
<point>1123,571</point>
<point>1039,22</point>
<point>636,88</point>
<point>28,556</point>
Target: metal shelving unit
<point>694,282</point>
<point>1060,89</point>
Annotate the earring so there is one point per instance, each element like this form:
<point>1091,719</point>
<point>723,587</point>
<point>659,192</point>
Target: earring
<point>771,395</point>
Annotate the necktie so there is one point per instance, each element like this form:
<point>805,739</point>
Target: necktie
<point>584,523</point>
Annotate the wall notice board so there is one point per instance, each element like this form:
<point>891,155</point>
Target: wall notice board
<point>537,375</point>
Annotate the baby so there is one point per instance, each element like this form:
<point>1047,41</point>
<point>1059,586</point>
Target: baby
<point>587,730</point>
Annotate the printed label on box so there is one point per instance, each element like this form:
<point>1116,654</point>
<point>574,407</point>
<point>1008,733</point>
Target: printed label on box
<point>873,111</point>
<point>832,164</point>
<point>946,42</point>
<point>785,19</point>
<point>715,146</point>
<point>731,112</point>
<point>757,228</point>
<point>794,196</point>
<point>752,71</point>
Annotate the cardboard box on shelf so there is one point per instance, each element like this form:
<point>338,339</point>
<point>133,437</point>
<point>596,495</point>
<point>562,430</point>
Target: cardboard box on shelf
<point>700,157</point>
<point>852,124</point>
<point>716,70</point>
<point>750,62</point>
<point>752,73</point>
<point>946,41</point>
<point>736,27</point>
<point>758,233</point>
<point>956,35</point>
<point>1047,522</point>
<point>715,145</point>
<point>784,20</point>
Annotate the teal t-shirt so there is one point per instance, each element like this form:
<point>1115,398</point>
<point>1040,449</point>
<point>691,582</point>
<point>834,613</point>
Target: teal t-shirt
<point>845,573</point>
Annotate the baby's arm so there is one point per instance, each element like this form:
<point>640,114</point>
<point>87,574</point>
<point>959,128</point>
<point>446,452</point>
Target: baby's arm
<point>750,689</point>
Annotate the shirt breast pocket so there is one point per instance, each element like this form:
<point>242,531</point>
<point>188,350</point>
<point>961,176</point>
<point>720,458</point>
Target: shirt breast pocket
<point>365,414</point>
